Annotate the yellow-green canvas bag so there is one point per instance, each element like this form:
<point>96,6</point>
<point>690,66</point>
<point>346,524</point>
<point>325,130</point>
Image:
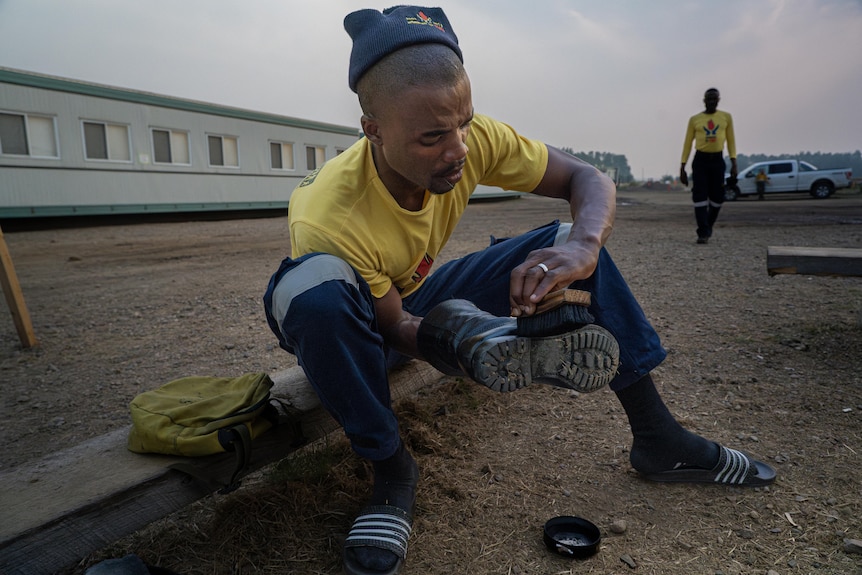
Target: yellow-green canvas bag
<point>199,415</point>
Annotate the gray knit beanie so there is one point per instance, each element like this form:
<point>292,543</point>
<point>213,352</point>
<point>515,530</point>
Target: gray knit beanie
<point>377,34</point>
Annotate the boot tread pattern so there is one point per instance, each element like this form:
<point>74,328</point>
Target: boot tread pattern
<point>585,360</point>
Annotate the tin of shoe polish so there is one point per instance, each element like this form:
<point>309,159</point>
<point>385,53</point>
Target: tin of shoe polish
<point>573,537</point>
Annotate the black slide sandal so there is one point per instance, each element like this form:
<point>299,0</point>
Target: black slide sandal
<point>382,526</point>
<point>733,468</point>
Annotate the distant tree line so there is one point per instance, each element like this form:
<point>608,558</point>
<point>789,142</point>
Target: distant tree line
<point>606,162</point>
<point>821,160</point>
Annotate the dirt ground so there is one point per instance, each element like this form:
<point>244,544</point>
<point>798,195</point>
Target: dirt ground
<point>771,365</point>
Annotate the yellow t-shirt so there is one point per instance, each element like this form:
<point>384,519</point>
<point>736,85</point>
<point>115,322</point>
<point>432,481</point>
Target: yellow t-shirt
<point>344,209</point>
<point>709,132</point>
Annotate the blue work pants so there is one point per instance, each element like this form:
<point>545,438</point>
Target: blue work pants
<point>322,311</point>
<point>707,189</point>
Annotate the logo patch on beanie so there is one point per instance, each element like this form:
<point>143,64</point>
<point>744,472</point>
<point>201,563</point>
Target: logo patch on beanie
<point>424,20</point>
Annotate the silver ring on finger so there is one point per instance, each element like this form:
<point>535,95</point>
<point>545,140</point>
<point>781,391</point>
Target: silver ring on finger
<point>543,266</point>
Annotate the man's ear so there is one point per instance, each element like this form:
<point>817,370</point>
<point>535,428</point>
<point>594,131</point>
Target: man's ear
<point>371,129</point>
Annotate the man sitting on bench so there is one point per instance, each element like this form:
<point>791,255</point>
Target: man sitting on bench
<point>356,295</point>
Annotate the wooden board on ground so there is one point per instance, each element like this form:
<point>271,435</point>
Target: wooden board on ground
<point>814,261</point>
<point>60,508</point>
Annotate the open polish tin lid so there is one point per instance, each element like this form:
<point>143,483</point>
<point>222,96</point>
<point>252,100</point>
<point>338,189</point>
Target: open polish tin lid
<point>573,537</point>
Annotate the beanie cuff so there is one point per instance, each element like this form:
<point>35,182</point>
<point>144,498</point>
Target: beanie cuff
<point>377,34</point>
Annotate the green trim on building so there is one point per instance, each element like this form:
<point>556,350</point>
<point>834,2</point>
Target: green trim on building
<point>131,209</point>
<point>56,84</point>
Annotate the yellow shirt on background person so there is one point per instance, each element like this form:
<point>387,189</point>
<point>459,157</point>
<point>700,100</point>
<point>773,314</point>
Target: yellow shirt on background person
<point>709,132</point>
<point>344,209</point>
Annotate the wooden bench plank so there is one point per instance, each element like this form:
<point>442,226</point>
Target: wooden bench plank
<point>814,261</point>
<point>60,508</point>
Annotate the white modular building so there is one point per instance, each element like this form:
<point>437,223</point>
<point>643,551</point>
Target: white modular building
<point>69,147</point>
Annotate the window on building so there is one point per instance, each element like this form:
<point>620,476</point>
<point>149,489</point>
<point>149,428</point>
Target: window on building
<point>281,156</point>
<point>315,156</point>
<point>170,147</point>
<point>223,151</point>
<point>103,141</point>
<point>28,135</point>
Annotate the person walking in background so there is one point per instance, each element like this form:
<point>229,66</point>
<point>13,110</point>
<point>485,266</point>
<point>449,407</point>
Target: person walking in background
<point>760,180</point>
<point>709,130</point>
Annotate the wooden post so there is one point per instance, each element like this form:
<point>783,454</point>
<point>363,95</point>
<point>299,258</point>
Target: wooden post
<point>14,297</point>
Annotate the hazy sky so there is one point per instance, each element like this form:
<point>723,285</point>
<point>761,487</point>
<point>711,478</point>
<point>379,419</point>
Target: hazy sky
<point>615,76</point>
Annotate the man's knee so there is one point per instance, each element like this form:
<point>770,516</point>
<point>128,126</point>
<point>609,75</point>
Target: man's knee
<point>699,194</point>
<point>306,276</point>
<point>716,197</point>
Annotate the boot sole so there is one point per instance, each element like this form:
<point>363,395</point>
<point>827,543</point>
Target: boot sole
<point>585,360</point>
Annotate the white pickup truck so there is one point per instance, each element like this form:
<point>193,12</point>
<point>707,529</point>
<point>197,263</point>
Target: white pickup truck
<point>787,176</point>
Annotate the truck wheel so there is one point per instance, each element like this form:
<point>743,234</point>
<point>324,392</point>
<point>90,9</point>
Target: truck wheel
<point>731,193</point>
<point>822,189</point>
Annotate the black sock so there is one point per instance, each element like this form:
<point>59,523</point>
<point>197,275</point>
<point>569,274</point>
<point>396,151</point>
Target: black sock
<point>660,442</point>
<point>395,481</point>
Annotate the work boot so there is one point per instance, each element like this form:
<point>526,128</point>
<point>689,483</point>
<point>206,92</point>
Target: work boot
<point>458,338</point>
